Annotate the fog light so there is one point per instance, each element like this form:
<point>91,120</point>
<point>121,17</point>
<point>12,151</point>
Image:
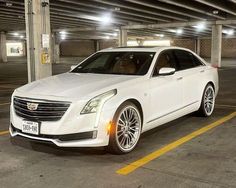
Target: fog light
<point>94,134</point>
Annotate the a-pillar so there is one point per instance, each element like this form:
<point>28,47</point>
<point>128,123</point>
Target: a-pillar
<point>216,43</point>
<point>3,47</point>
<point>123,37</point>
<point>38,34</point>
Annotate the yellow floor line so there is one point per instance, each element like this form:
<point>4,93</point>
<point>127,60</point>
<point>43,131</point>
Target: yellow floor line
<point>2,104</point>
<point>4,133</point>
<point>144,160</point>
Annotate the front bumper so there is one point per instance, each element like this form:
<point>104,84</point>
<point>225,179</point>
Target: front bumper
<point>72,130</point>
<point>87,139</point>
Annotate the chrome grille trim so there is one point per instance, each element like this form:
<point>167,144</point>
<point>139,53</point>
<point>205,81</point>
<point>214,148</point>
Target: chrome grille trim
<point>47,110</point>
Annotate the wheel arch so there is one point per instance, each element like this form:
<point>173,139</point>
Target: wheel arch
<point>139,106</point>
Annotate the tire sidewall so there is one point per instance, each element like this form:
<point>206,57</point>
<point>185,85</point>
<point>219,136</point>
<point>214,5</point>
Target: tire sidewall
<point>113,135</point>
<point>203,100</point>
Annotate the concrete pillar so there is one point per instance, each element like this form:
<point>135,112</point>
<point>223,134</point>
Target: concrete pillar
<point>197,46</point>
<point>123,37</point>
<point>38,34</point>
<point>216,43</point>
<point>3,47</point>
<point>97,45</point>
<point>55,49</point>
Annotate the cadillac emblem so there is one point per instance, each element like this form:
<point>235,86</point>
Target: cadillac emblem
<point>32,106</point>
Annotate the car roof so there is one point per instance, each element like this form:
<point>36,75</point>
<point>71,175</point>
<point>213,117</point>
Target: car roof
<point>142,48</point>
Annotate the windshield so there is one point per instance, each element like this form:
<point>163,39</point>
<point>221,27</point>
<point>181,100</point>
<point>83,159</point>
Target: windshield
<point>124,63</point>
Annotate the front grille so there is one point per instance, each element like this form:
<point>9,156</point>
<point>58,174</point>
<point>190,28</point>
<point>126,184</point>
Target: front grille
<point>46,110</point>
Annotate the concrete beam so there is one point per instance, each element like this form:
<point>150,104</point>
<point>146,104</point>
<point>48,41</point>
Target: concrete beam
<point>122,37</point>
<point>3,47</point>
<point>38,34</point>
<point>216,43</point>
<point>178,24</point>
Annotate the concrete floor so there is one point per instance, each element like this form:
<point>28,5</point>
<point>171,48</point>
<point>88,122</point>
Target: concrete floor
<point>206,161</point>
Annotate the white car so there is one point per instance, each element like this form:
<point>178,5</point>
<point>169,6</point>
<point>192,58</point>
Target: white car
<point>113,96</point>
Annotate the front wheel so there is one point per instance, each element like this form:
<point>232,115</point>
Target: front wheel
<point>125,130</point>
<point>208,101</point>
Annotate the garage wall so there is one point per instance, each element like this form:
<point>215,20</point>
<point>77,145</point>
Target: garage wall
<point>108,43</point>
<point>80,48</point>
<point>184,43</point>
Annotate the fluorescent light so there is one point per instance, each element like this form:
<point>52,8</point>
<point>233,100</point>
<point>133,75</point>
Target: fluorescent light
<point>21,36</point>
<point>160,35</point>
<point>105,19</point>
<point>179,31</point>
<point>63,37</point>
<point>114,34</point>
<point>107,37</point>
<point>156,43</point>
<point>228,32</point>
<point>132,43</point>
<point>200,26</point>
<point>62,32</point>
<point>16,34</point>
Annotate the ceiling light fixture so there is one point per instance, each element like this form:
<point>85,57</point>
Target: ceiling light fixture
<point>228,32</point>
<point>200,26</point>
<point>179,31</point>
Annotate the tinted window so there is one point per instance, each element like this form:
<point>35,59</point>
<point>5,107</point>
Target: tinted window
<point>165,59</point>
<point>185,59</point>
<point>196,61</point>
<point>127,63</point>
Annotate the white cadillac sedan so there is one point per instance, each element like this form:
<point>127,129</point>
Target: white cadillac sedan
<point>113,96</point>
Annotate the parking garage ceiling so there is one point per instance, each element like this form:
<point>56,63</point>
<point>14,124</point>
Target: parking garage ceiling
<point>78,18</point>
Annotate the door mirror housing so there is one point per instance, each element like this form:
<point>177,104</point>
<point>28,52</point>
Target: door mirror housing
<point>166,71</point>
<point>72,67</point>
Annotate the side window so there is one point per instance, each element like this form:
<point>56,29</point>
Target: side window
<point>196,61</point>
<point>165,59</point>
<point>184,59</point>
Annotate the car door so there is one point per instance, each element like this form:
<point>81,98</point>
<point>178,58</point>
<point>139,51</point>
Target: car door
<point>165,92</point>
<point>190,70</point>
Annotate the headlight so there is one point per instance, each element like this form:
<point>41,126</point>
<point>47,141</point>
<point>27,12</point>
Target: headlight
<point>97,102</point>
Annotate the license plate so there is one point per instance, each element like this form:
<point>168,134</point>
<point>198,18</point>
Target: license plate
<point>30,127</point>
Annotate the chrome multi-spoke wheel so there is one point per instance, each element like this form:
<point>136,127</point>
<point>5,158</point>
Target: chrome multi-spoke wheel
<point>126,129</point>
<point>208,101</point>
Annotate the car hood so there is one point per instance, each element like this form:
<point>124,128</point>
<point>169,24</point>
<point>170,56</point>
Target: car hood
<point>75,85</point>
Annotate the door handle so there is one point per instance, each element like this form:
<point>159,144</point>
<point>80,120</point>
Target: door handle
<point>180,78</point>
<point>202,71</point>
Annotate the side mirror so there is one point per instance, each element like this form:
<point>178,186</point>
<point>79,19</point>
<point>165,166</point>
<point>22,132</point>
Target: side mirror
<point>166,71</point>
<point>72,67</point>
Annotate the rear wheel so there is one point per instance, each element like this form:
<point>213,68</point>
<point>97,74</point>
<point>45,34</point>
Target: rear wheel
<point>126,129</point>
<point>208,101</point>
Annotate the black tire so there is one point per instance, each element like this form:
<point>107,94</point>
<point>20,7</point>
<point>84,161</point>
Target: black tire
<point>203,110</point>
<point>114,146</point>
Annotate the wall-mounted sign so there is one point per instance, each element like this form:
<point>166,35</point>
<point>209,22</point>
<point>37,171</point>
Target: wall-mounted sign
<point>45,40</point>
<point>15,49</point>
